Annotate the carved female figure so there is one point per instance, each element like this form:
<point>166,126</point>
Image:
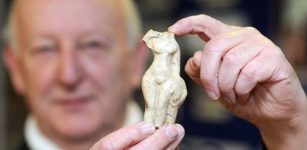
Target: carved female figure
<point>163,89</point>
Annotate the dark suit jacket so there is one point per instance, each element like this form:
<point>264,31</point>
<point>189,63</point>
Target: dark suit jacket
<point>23,145</point>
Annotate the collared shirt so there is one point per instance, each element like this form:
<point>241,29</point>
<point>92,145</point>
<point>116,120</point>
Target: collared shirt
<point>37,141</point>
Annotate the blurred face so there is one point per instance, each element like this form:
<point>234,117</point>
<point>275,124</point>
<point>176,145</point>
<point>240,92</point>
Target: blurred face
<point>74,65</point>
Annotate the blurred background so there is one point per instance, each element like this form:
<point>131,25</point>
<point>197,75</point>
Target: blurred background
<point>208,125</point>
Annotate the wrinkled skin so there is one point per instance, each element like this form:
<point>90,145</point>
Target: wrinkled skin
<point>70,67</point>
<point>142,136</point>
<point>251,77</point>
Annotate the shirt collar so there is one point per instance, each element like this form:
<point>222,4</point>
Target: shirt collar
<point>37,141</point>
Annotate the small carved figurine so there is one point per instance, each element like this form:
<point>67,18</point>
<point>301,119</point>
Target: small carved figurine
<point>163,89</point>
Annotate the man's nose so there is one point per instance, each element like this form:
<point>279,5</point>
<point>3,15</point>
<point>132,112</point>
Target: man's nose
<point>70,72</point>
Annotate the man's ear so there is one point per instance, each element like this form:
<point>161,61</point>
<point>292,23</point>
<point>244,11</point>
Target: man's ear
<point>140,56</point>
<point>12,64</point>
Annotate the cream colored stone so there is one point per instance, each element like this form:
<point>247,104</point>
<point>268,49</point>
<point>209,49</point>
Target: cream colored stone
<point>163,89</point>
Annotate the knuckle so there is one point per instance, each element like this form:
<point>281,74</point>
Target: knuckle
<point>252,33</point>
<point>206,17</point>
<point>189,20</point>
<point>230,59</point>
<point>275,50</point>
<point>180,22</point>
<point>249,74</point>
<point>203,16</point>
<point>251,30</point>
<point>241,91</point>
<point>212,46</point>
<point>132,133</point>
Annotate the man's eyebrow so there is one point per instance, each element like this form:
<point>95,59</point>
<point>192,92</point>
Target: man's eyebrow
<point>42,37</point>
<point>105,37</point>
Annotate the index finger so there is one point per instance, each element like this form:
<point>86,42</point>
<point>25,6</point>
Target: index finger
<point>202,25</point>
<point>167,137</point>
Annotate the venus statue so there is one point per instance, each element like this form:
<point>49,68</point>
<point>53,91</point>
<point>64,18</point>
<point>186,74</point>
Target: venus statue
<point>163,89</point>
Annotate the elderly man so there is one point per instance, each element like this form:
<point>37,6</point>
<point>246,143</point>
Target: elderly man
<point>74,64</point>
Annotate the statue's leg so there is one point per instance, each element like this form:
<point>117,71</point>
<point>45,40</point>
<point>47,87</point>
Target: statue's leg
<point>148,115</point>
<point>163,98</point>
<point>149,92</point>
<point>171,114</point>
<point>176,101</point>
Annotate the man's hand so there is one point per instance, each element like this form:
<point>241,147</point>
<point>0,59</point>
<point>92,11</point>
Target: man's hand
<point>142,136</point>
<point>250,76</point>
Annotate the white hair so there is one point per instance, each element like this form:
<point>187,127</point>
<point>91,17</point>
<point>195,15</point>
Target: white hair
<point>132,21</point>
<point>9,30</point>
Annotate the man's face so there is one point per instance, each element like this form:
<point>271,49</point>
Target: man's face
<point>74,65</point>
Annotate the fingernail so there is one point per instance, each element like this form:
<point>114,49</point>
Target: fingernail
<point>211,95</point>
<point>171,131</point>
<point>147,129</point>
<point>173,28</point>
<point>180,130</point>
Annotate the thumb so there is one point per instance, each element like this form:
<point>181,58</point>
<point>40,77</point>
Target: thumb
<point>125,137</point>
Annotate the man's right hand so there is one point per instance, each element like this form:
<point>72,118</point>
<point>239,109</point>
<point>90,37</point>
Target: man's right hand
<point>141,136</point>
